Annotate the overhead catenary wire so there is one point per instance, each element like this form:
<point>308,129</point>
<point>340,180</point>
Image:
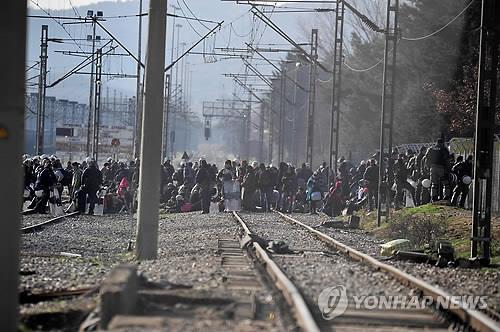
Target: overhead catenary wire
<point>59,23</point>
<point>365,69</point>
<point>74,9</point>
<point>189,23</point>
<point>194,15</point>
<point>440,29</point>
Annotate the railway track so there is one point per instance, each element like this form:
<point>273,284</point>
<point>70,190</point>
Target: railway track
<point>304,299</point>
<point>40,226</point>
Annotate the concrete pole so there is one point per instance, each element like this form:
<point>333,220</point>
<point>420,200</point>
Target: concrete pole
<point>152,120</point>
<point>13,32</point>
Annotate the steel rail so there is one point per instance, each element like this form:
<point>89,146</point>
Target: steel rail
<point>301,311</point>
<point>474,318</point>
<point>34,228</point>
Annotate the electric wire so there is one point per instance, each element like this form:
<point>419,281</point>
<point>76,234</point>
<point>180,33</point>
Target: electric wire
<point>189,9</point>
<point>74,9</point>
<point>442,28</point>
<point>365,69</point>
<point>192,27</point>
<point>59,23</point>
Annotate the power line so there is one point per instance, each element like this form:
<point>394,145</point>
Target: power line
<point>74,9</point>
<point>440,29</point>
<point>192,27</point>
<point>62,26</point>
<point>189,9</point>
<point>365,69</point>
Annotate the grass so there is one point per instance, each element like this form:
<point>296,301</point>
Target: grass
<point>457,224</point>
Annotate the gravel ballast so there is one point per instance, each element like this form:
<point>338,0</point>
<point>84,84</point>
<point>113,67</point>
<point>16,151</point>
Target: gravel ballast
<point>187,256</point>
<point>456,281</point>
<point>311,271</point>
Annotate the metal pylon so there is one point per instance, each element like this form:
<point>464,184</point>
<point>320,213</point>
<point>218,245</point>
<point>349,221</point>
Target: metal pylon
<point>387,118</point>
<point>97,104</point>
<point>42,87</point>
<point>313,72</point>
<point>336,84</point>
<point>485,130</point>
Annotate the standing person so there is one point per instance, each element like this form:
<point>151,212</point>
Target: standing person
<point>76,180</point>
<point>371,178</point>
<point>463,170</point>
<point>225,178</point>
<point>290,188</point>
<point>249,185</point>
<point>265,183</point>
<point>303,174</point>
<point>282,171</point>
<point>91,182</point>
<point>313,192</point>
<point>169,170</point>
<point>437,158</point>
<point>106,171</point>
<point>400,179</point>
<point>189,176</point>
<point>415,167</point>
<point>45,182</point>
<point>203,181</point>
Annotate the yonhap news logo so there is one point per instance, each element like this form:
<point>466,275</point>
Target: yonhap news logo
<point>333,302</point>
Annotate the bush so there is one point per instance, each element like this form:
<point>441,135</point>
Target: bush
<point>418,229</point>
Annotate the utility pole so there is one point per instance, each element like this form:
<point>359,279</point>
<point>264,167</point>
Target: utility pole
<point>248,120</point>
<point>42,88</point>
<point>336,85</point>
<point>91,93</point>
<point>387,118</point>
<point>261,130</point>
<point>281,135</point>
<point>12,108</point>
<point>165,115</point>
<point>485,131</point>
<point>152,120</point>
<point>312,97</point>
<point>138,98</point>
<point>97,105</point>
<point>176,86</point>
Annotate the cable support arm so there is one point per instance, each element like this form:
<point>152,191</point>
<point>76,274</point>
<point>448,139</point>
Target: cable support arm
<point>256,72</point>
<point>81,65</point>
<point>277,29</point>
<point>119,43</point>
<point>369,23</point>
<point>192,47</point>
<point>277,68</point>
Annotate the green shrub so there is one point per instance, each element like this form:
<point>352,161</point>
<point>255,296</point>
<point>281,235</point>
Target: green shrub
<point>418,229</point>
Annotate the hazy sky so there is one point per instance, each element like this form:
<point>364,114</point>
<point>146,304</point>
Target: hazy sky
<point>238,24</point>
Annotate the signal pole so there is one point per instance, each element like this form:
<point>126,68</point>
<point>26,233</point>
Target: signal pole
<point>12,108</point>
<point>152,123</point>
<point>312,97</point>
<point>42,88</point>
<point>485,130</point>
<point>387,118</point>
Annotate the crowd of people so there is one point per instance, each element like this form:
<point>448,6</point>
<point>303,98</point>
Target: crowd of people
<point>408,179</point>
